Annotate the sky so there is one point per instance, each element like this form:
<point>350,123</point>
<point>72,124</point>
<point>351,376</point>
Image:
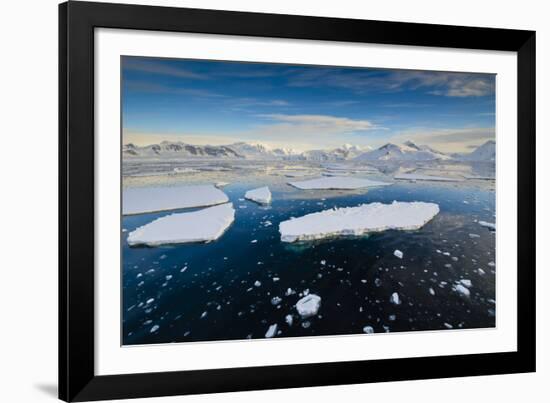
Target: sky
<point>303,107</point>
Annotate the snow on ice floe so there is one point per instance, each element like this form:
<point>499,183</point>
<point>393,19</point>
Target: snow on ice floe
<point>420,177</point>
<point>308,306</point>
<point>336,182</point>
<point>198,226</point>
<point>139,200</point>
<point>260,195</point>
<point>346,221</point>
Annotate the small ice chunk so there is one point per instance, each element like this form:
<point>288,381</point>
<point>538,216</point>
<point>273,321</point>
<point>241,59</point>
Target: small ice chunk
<point>203,315</point>
<point>289,320</point>
<point>257,283</point>
<point>432,291</point>
<point>272,331</point>
<point>276,300</point>
<point>254,241</point>
<point>466,283</point>
<point>448,325</point>
<point>309,305</point>
<point>459,288</point>
<point>368,330</point>
<point>394,299</point>
<point>289,292</point>
<point>398,253</point>
<point>154,328</point>
<point>473,235</point>
<point>260,195</point>
<point>491,264</point>
<point>150,301</point>
<point>275,279</point>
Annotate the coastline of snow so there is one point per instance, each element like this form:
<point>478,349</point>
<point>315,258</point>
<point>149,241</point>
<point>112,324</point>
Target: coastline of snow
<point>420,177</point>
<point>152,199</point>
<point>260,195</point>
<point>336,182</point>
<point>198,226</point>
<point>373,217</point>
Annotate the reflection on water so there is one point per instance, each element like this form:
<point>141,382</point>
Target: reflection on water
<point>225,290</point>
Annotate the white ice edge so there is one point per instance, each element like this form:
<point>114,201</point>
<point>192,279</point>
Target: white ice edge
<point>260,195</point>
<point>336,182</point>
<point>353,221</point>
<point>420,177</point>
<point>139,200</point>
<point>198,226</point>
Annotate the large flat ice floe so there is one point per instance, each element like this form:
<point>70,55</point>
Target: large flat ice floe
<point>198,226</point>
<point>261,195</point>
<point>421,177</point>
<point>150,199</point>
<point>353,221</point>
<point>336,182</point>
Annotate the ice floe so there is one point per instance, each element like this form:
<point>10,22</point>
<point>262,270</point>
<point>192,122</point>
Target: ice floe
<point>260,195</point>
<point>368,330</point>
<point>398,253</point>
<point>373,217</point>
<point>394,299</point>
<point>198,226</point>
<point>272,331</point>
<point>487,225</point>
<point>459,288</point>
<point>308,306</point>
<point>139,200</point>
<point>289,320</point>
<point>420,177</point>
<point>336,182</point>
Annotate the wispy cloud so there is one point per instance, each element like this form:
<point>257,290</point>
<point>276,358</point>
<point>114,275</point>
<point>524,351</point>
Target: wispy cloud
<point>151,67</point>
<point>148,87</point>
<point>314,124</point>
<point>361,81</point>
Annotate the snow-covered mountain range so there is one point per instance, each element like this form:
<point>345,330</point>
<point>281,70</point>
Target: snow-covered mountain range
<point>407,151</point>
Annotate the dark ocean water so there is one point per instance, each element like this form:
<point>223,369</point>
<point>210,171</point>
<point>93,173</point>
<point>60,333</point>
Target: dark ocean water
<point>206,292</point>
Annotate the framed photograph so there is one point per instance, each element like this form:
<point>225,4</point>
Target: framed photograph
<point>257,201</point>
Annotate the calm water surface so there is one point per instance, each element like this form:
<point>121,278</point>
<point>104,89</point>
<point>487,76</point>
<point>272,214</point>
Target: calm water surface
<point>223,290</point>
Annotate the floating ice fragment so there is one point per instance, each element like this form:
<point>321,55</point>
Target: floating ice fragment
<point>276,300</point>
<point>336,182</point>
<point>466,282</point>
<point>154,328</point>
<point>459,288</point>
<point>254,241</point>
<point>198,226</point>
<point>491,264</point>
<point>308,306</point>
<point>275,279</point>
<point>261,195</point>
<point>419,177</point>
<point>139,200</point>
<point>448,325</point>
<point>271,331</point>
<point>203,315</point>
<point>150,301</point>
<point>394,299</point>
<point>432,291</point>
<point>289,320</point>
<point>488,225</point>
<point>473,236</point>
<point>398,253</point>
<point>368,330</point>
<point>289,292</point>
<point>354,221</point>
<point>257,283</point>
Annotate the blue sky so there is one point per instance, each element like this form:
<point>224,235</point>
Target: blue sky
<point>303,107</point>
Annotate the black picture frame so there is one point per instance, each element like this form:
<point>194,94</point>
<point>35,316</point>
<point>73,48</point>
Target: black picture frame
<point>77,379</point>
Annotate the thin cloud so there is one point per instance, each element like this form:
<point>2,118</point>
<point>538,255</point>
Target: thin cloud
<point>313,125</point>
<point>148,87</point>
<point>146,66</point>
<point>364,81</point>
